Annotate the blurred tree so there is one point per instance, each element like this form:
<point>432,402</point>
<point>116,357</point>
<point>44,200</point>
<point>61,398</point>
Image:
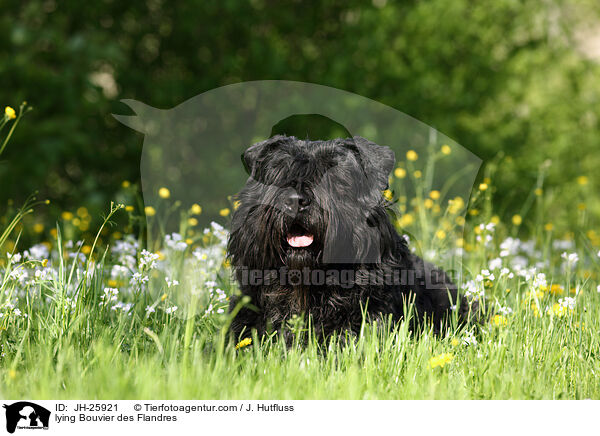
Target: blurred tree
<point>503,76</point>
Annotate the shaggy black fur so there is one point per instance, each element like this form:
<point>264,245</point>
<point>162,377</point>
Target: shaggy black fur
<point>327,194</point>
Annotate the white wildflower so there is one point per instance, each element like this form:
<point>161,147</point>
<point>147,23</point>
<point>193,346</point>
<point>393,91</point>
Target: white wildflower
<point>138,279</point>
<point>509,246</point>
<point>110,294</point>
<point>148,259</point>
<point>505,310</point>
<point>473,290</point>
<point>171,283</point>
<point>37,252</point>
<point>567,302</point>
<point>469,339</point>
<point>495,263</point>
<point>14,258</point>
<point>570,258</point>
<point>174,241</point>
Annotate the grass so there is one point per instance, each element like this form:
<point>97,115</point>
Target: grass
<point>530,357</point>
<point>81,320</point>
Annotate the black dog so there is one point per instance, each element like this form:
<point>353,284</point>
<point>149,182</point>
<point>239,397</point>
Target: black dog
<point>312,236</point>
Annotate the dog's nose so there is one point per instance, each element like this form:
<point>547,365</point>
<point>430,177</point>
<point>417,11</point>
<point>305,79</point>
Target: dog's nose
<point>296,201</point>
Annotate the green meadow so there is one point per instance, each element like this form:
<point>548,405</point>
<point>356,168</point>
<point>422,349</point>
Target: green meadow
<point>110,317</point>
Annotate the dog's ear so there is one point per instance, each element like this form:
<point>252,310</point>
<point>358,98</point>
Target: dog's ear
<point>251,156</point>
<point>378,161</point>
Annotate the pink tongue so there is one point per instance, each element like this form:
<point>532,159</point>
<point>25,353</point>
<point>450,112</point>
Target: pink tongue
<point>300,241</point>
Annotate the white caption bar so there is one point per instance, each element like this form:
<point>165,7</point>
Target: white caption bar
<point>76,417</point>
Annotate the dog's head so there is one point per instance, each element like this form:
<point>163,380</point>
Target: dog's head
<point>312,202</point>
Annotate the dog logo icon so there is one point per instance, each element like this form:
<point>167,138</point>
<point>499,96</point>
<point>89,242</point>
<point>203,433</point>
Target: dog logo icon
<point>26,415</point>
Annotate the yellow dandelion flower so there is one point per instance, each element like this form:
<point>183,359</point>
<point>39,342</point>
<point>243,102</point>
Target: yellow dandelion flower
<point>418,174</point>
<point>495,219</point>
<point>582,180</point>
<point>113,283</point>
<point>387,194</point>
<point>189,241</point>
<point>164,193</point>
<point>559,310</point>
<point>224,212</point>
<point>163,297</point>
<point>474,212</point>
<point>446,149</point>
<point>517,220</point>
<point>82,212</point>
<point>538,192</point>
<point>53,233</point>
<point>454,342</point>
<point>412,155</point>
<point>556,289</point>
<point>440,234</point>
<point>10,113</point>
<point>460,220</point>
<point>129,208</point>
<point>86,249</point>
<point>456,205</point>
<point>483,186</point>
<point>499,321</point>
<point>440,360</point>
<point>12,374</point>
<point>581,206</point>
<point>406,220</point>
<point>161,255</point>
<point>434,195</point>
<point>243,343</point>
<point>192,222</point>
<point>460,242</point>
<point>428,203</point>
<point>548,227</point>
<point>150,211</point>
<point>126,184</point>
<point>400,173</point>
<point>67,216</point>
<point>45,263</point>
<point>38,227</point>
<point>196,209</point>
